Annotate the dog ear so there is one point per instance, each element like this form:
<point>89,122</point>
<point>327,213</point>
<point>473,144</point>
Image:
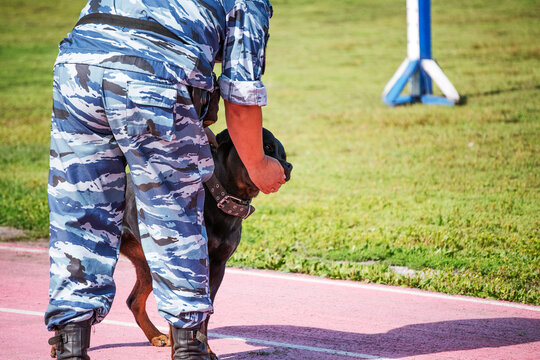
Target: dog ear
<point>223,137</point>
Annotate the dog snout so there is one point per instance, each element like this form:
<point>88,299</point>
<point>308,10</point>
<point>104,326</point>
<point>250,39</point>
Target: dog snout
<point>288,168</point>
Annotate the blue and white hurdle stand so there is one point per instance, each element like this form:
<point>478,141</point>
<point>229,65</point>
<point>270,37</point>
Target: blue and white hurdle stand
<point>419,68</point>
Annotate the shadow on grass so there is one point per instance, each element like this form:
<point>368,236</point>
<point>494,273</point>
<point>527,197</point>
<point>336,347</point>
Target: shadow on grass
<point>410,340</point>
<point>465,97</point>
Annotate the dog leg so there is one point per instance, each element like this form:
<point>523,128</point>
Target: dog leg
<point>136,301</point>
<point>217,271</point>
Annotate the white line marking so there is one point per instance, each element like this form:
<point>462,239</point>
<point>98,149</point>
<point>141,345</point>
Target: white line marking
<point>385,288</point>
<point>266,342</point>
<point>343,283</point>
<point>221,336</point>
<point>294,346</point>
<point>24,312</point>
<point>23,249</point>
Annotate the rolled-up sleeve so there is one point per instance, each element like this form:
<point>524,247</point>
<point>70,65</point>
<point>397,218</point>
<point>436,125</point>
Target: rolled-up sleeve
<point>244,53</point>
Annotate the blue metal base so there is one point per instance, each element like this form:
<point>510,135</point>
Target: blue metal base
<point>423,85</point>
<point>392,97</point>
<point>436,100</point>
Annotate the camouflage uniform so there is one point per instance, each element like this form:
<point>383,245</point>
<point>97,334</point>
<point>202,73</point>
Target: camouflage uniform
<point>124,96</point>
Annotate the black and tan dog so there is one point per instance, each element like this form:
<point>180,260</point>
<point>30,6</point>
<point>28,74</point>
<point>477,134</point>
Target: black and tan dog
<point>227,204</point>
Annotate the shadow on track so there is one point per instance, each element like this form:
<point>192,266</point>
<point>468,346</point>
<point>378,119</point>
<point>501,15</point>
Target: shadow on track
<point>410,340</point>
<point>109,346</point>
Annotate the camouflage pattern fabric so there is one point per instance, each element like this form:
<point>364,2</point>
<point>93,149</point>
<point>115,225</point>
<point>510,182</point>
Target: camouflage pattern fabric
<point>102,120</point>
<point>122,96</point>
<point>234,32</point>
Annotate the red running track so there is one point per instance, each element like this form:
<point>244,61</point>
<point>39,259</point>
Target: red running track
<point>269,315</point>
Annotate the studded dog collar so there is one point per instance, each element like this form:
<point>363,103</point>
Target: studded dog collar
<point>229,204</point>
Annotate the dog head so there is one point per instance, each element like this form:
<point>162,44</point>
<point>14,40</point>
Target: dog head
<point>231,171</point>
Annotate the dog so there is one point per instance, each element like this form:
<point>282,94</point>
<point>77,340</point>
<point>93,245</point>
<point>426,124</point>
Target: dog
<point>224,212</point>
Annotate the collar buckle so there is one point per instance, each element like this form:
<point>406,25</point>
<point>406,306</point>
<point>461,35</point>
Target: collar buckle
<point>235,206</point>
<point>223,202</point>
<point>229,204</point>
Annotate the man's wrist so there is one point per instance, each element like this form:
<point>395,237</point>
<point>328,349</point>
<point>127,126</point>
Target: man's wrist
<point>253,161</point>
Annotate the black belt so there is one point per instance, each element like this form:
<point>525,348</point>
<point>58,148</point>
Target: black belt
<point>128,22</point>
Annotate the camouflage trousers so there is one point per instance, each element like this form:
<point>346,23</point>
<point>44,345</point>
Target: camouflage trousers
<point>104,119</point>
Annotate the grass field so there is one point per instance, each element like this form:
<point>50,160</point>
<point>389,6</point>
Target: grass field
<point>451,192</point>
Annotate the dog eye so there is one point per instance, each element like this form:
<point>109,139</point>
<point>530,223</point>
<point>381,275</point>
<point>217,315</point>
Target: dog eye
<point>268,148</point>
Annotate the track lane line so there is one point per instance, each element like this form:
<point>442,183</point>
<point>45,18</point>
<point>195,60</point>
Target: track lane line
<point>222,336</point>
<point>23,249</point>
<point>342,283</point>
<point>390,289</point>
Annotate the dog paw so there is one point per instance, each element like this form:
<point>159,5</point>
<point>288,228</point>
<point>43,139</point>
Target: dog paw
<point>212,355</point>
<point>161,340</point>
<point>53,352</point>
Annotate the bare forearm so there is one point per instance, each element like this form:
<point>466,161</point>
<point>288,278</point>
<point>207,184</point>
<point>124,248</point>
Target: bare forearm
<point>245,128</point>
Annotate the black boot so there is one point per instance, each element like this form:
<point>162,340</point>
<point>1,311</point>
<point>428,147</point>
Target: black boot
<point>72,341</point>
<point>188,344</point>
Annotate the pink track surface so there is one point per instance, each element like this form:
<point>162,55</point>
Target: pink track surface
<point>269,315</point>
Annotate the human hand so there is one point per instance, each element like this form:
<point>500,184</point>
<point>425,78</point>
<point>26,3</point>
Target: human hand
<point>268,174</point>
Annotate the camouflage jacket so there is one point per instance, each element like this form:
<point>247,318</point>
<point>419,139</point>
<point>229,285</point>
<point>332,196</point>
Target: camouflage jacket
<point>234,32</point>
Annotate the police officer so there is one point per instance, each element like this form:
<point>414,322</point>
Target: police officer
<point>124,84</point>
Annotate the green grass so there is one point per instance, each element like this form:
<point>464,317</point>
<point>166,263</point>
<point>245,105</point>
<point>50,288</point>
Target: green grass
<point>453,191</point>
